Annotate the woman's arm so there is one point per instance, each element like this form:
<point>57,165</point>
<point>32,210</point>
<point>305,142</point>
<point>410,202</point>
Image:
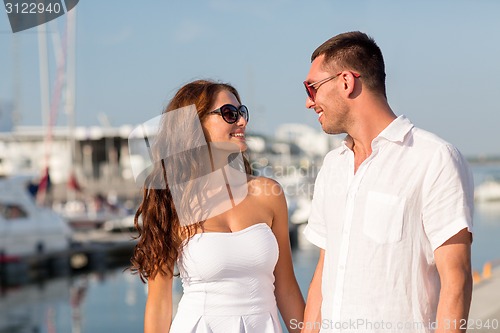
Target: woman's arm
<point>158,312</point>
<point>287,292</point>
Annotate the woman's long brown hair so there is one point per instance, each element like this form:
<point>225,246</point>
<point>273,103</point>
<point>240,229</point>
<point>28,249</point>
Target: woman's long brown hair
<point>161,235</point>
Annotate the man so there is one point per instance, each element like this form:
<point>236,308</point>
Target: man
<point>392,208</point>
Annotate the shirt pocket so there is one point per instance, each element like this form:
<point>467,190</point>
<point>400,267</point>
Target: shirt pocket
<point>384,215</point>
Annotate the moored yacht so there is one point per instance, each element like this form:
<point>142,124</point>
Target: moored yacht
<point>27,229</point>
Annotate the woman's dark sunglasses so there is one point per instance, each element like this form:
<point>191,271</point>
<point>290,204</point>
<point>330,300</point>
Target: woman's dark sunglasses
<point>231,113</point>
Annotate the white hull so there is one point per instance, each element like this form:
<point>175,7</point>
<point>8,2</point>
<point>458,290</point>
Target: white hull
<point>488,191</point>
<point>25,228</point>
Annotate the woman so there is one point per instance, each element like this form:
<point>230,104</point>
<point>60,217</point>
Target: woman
<point>233,254</point>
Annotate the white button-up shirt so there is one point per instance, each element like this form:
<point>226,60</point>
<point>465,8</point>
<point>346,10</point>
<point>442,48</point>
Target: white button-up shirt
<point>379,228</point>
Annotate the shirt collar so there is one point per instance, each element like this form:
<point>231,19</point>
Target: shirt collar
<point>396,131</point>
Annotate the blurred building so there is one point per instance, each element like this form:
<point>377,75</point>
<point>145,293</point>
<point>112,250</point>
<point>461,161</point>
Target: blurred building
<point>98,157</point>
<point>311,141</point>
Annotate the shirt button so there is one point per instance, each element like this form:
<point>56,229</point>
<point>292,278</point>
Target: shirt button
<point>341,267</point>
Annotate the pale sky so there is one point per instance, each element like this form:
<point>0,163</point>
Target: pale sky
<point>441,60</point>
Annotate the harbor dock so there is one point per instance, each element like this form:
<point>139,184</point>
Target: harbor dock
<point>484,315</point>
<point>94,250</point>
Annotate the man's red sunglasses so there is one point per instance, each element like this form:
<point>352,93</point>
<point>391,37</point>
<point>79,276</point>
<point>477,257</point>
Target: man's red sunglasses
<point>311,90</point>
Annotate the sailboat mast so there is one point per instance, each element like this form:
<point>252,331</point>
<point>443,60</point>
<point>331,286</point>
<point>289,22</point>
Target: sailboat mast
<point>70,105</point>
<point>71,83</point>
<point>45,104</point>
<point>44,74</point>
<point>16,78</point>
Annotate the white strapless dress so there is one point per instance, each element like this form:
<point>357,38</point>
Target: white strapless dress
<point>228,283</point>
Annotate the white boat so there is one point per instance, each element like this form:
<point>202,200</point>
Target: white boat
<point>488,191</point>
<point>82,215</point>
<point>123,224</point>
<point>27,229</point>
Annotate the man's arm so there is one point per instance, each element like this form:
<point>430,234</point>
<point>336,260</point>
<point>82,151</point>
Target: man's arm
<point>454,266</point>
<point>312,314</point>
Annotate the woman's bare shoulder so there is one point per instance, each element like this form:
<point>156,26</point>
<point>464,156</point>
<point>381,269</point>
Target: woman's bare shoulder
<point>265,187</point>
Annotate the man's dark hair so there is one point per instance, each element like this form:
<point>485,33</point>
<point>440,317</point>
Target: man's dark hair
<point>357,52</point>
